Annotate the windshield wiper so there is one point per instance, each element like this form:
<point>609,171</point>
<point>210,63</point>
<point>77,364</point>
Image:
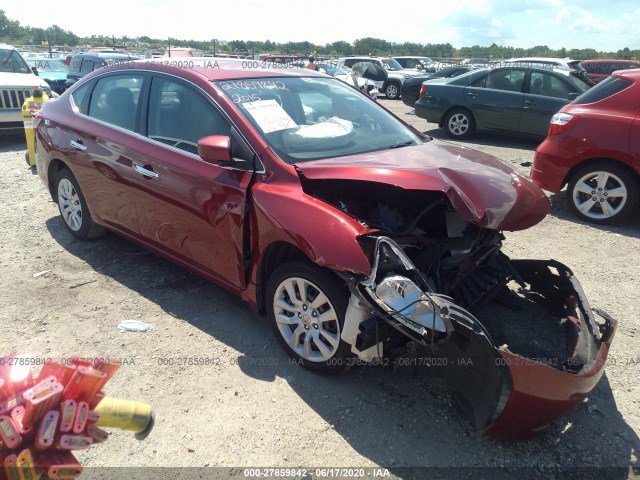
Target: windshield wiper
<point>403,144</point>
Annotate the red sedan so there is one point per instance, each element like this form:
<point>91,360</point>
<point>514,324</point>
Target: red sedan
<point>361,239</point>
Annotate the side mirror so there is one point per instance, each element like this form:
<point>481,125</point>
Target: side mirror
<point>215,148</point>
<point>573,96</point>
<point>35,71</point>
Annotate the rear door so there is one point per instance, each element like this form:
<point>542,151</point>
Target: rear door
<point>496,99</point>
<point>103,146</point>
<point>189,208</point>
<point>547,92</point>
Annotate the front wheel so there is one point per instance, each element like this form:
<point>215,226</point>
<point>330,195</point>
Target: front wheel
<point>306,308</point>
<point>73,207</point>
<point>459,124</point>
<point>602,193</point>
<point>392,91</point>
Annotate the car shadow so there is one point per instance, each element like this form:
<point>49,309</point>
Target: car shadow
<point>409,425</point>
<point>13,142</point>
<point>487,139</point>
<point>629,227</point>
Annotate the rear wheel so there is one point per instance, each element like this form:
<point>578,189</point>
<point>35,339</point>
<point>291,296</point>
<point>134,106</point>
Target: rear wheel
<point>306,308</point>
<point>602,193</point>
<point>73,207</point>
<point>459,123</point>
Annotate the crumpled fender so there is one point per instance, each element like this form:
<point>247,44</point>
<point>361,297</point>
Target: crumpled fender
<point>325,234</point>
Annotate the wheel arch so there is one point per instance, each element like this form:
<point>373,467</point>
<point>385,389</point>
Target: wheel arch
<point>276,254</point>
<point>600,160</point>
<point>54,167</point>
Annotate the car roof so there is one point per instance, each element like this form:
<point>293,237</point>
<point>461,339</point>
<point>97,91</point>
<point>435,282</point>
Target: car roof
<point>105,55</point>
<point>610,60</point>
<point>630,74</point>
<point>214,68</point>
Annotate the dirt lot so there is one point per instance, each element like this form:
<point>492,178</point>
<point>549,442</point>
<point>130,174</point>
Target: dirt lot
<point>249,407</point>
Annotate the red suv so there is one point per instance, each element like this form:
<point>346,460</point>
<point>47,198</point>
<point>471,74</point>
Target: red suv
<point>593,146</point>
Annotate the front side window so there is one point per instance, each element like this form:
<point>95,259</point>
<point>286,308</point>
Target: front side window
<point>180,116</point>
<point>312,118</point>
<point>391,65</point>
<point>115,100</point>
<point>507,79</point>
<point>543,83</point>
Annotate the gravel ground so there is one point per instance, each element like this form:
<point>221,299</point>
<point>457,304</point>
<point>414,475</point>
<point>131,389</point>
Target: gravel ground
<point>249,407</point>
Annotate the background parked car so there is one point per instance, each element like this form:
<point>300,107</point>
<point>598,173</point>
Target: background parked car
<point>593,146</point>
<point>565,66</point>
<point>86,62</point>
<point>415,63</point>
<point>396,74</point>
<point>54,71</point>
<point>344,75</point>
<point>17,81</point>
<point>512,100</point>
<point>411,87</point>
<point>598,70</point>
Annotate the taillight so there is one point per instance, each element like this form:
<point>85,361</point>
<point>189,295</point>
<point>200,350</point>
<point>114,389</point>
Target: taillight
<point>423,90</point>
<point>561,122</point>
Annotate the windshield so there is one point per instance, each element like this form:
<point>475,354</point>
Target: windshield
<point>48,65</point>
<point>304,119</point>
<point>11,61</point>
<point>391,64</point>
<point>331,70</point>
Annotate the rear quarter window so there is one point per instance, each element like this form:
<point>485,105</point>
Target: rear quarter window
<point>606,88</point>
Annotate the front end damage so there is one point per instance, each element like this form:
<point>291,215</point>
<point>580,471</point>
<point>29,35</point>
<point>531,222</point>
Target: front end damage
<point>516,339</point>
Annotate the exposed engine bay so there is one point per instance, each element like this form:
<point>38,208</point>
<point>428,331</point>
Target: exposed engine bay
<point>441,293</point>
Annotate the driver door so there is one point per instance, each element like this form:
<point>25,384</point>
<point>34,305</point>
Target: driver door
<point>191,209</point>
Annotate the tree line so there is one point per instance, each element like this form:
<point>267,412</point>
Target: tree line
<point>13,33</point>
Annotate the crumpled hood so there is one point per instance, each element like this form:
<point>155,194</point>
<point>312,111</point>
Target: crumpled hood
<point>484,190</point>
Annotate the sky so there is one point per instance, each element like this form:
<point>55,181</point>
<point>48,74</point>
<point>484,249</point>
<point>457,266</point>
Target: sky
<point>604,25</point>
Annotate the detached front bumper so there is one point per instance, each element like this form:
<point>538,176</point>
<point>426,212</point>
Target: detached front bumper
<point>507,394</point>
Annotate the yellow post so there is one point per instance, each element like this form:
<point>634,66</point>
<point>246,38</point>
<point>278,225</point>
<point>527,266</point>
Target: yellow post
<point>34,102</point>
<point>125,415</point>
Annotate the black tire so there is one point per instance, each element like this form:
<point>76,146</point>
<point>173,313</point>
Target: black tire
<point>73,207</point>
<point>606,208</point>
<point>316,281</point>
<point>392,90</point>
<point>459,123</point>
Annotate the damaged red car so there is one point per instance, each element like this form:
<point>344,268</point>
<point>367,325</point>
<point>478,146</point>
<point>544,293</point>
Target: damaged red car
<point>361,239</point>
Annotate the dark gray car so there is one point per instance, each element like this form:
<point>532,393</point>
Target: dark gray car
<point>510,100</point>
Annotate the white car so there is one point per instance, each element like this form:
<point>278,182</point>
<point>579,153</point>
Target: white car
<point>17,81</point>
<point>396,74</point>
<point>566,66</point>
<point>350,78</point>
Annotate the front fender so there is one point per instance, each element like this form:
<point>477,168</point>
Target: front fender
<point>325,234</point>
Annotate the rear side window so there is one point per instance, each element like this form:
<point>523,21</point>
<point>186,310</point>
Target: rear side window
<point>115,100</point>
<point>606,88</point>
<point>80,96</point>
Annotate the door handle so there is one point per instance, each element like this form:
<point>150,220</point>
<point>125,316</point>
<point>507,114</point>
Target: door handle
<point>77,145</point>
<point>529,102</point>
<point>472,95</point>
<point>144,171</point>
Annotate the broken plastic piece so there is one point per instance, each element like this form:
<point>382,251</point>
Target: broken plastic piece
<point>133,326</point>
